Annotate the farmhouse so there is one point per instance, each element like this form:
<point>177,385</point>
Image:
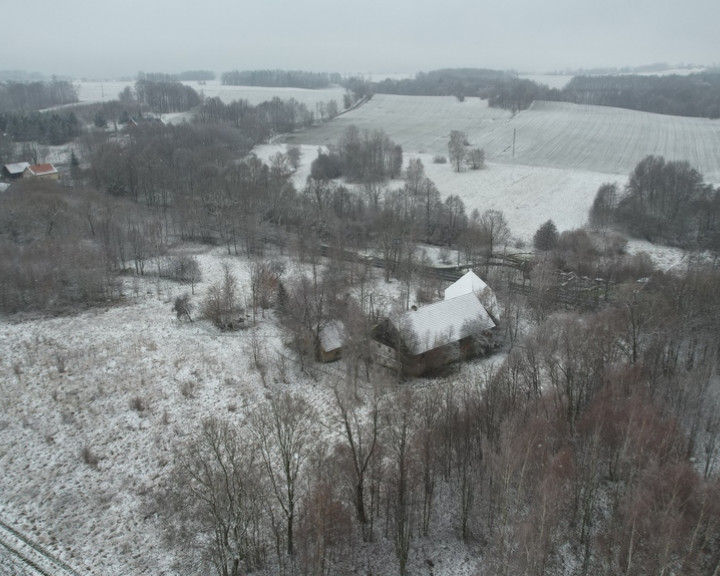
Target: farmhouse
<point>435,335</point>
<point>44,171</point>
<point>15,170</point>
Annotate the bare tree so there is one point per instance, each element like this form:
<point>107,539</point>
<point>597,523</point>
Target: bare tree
<point>476,159</point>
<point>361,440</point>
<point>221,304</point>
<point>400,428</point>
<point>456,148</point>
<point>214,499</point>
<point>283,430</point>
<point>494,230</point>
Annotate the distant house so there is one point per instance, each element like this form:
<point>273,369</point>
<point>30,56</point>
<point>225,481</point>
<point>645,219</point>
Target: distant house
<point>432,336</point>
<point>44,171</point>
<point>332,337</point>
<point>15,170</point>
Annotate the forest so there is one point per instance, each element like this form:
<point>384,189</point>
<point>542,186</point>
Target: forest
<point>590,447</point>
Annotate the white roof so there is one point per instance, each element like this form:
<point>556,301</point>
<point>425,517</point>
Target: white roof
<point>17,167</point>
<point>444,322</point>
<point>470,283</point>
<point>332,336</point>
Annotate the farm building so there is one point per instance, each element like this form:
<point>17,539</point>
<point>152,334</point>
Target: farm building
<point>15,170</point>
<point>432,336</point>
<point>45,171</point>
<point>331,338</point>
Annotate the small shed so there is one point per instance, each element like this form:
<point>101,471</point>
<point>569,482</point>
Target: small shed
<point>45,171</point>
<point>14,170</point>
<point>332,337</point>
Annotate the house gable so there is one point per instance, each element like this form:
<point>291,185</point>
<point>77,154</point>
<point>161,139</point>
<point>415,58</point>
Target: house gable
<point>471,283</point>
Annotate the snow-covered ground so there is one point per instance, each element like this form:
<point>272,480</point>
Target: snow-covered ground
<point>549,134</point>
<point>105,91</point>
<point>126,382</point>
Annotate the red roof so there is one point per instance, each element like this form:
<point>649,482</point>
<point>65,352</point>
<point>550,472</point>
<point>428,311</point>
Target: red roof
<point>42,169</point>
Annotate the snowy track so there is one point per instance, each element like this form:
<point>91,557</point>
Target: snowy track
<point>22,557</point>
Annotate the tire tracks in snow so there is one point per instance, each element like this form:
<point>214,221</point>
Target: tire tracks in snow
<point>22,553</point>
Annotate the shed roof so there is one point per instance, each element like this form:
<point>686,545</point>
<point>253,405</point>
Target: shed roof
<point>41,169</point>
<point>16,168</point>
<point>332,336</point>
<point>469,283</point>
<point>444,322</point>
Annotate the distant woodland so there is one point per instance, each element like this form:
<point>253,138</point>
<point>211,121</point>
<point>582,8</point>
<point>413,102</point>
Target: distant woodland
<point>28,96</point>
<point>280,78</point>
<point>683,95</point>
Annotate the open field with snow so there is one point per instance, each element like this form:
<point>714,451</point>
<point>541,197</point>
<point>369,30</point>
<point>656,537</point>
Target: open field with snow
<point>563,152</point>
<point>549,134</point>
<point>105,91</point>
<point>126,383</point>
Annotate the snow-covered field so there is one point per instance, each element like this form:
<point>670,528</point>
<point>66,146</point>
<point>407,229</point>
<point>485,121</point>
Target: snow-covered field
<point>125,383</point>
<point>562,152</point>
<point>105,91</point>
<point>549,134</point>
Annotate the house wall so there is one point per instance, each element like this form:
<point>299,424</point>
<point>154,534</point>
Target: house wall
<point>326,356</point>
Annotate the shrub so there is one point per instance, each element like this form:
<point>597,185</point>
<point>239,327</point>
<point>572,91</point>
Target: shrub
<point>439,159</point>
<point>138,404</point>
<point>182,307</point>
<point>89,457</point>
<point>186,269</point>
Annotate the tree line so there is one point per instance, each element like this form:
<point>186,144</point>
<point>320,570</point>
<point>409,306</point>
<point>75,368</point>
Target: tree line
<point>165,96</point>
<point>459,82</point>
<point>280,78</point>
<point>27,96</point>
<point>663,201</point>
<point>43,127</point>
<point>696,95</point>
<point>185,76</point>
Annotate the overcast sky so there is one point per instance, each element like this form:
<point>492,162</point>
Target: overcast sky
<point>101,39</point>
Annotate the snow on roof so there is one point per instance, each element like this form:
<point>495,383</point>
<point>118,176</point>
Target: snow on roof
<point>444,322</point>
<point>17,167</point>
<point>332,336</point>
<point>42,169</point>
<point>469,283</point>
